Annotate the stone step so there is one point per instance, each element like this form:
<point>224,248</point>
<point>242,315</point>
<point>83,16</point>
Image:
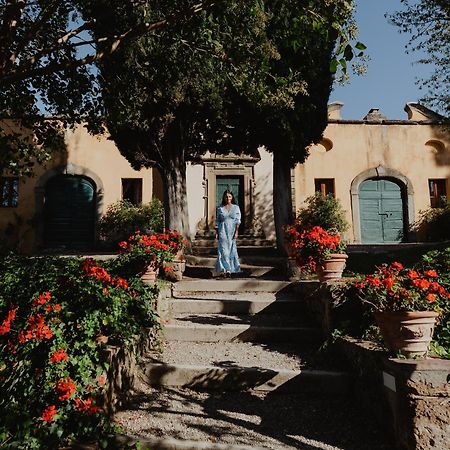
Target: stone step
<point>242,241</point>
<point>164,443</point>
<point>258,328</point>
<point>251,260</point>
<point>247,271</point>
<point>228,285</point>
<point>228,378</point>
<point>243,250</point>
<point>234,304</point>
<point>280,355</point>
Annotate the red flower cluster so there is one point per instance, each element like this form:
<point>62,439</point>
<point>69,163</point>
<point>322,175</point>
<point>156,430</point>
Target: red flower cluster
<point>59,355</point>
<point>5,327</point>
<point>394,288</point>
<point>85,405</point>
<point>159,248</point>
<point>91,269</point>
<point>37,329</point>
<point>65,388</point>
<point>49,413</point>
<point>310,245</point>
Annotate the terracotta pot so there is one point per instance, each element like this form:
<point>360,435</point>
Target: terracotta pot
<point>150,274</point>
<point>407,332</point>
<point>332,268</point>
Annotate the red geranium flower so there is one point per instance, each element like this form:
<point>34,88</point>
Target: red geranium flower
<point>65,388</point>
<point>49,413</point>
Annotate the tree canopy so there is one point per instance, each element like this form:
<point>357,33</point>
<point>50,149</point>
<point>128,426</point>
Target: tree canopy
<point>428,22</point>
<point>242,74</point>
<point>46,51</point>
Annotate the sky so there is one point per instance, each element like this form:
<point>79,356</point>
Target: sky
<point>390,81</point>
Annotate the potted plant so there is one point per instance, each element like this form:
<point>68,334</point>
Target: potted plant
<point>406,304</point>
<point>315,238</point>
<point>148,252</point>
<point>316,249</point>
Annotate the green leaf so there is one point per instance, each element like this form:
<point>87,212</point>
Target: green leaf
<point>360,46</point>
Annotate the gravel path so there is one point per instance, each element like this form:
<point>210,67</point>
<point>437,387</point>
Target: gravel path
<point>274,421</point>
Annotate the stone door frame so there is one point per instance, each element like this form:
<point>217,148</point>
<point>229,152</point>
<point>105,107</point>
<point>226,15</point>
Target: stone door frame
<point>229,166</point>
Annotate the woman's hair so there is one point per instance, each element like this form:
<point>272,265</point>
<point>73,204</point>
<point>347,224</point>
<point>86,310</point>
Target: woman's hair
<point>224,197</point>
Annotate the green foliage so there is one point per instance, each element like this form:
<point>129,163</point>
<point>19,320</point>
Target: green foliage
<point>434,224</point>
<point>324,211</point>
<point>123,218</point>
<point>427,23</point>
<point>440,260</point>
<point>55,317</point>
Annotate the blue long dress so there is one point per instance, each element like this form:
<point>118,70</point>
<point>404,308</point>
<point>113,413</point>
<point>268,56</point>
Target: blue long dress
<point>227,256</point>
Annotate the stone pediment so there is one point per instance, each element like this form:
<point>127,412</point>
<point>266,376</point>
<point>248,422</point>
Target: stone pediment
<point>231,157</point>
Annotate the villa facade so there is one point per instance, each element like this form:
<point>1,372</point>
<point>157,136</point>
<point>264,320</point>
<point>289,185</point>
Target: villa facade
<point>383,171</point>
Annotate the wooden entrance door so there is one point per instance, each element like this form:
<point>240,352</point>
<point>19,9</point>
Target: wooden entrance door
<point>235,184</point>
<point>382,211</point>
<point>69,212</point>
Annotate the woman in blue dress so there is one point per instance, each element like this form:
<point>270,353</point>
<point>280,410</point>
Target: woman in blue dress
<point>228,219</point>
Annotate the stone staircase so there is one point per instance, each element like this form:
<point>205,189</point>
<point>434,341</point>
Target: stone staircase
<point>238,334</point>
<point>237,371</point>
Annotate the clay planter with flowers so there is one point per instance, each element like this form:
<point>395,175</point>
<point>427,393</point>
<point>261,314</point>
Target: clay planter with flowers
<point>148,252</point>
<point>406,304</point>
<point>317,250</point>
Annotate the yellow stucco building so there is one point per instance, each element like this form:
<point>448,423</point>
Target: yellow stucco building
<point>383,171</point>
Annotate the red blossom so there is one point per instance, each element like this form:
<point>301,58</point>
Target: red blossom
<point>65,388</point>
<point>59,355</point>
<point>49,413</point>
<point>431,273</point>
<point>397,265</point>
<point>431,298</point>
<point>85,405</point>
<point>5,327</point>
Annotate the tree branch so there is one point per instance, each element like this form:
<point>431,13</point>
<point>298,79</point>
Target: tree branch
<point>26,70</point>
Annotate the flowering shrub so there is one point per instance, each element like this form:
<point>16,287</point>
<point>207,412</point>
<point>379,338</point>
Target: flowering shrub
<point>52,369</point>
<point>395,288</point>
<point>311,245</point>
<point>152,248</point>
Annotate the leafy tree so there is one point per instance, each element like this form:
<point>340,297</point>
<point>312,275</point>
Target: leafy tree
<point>246,73</point>
<point>428,23</point>
<point>46,49</point>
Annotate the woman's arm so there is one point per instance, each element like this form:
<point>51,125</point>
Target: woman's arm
<point>237,221</point>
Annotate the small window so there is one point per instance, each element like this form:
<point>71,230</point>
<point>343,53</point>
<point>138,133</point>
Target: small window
<point>438,193</point>
<point>9,194</point>
<point>132,190</point>
<point>324,185</point>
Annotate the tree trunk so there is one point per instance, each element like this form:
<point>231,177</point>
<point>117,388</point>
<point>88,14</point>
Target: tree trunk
<point>282,197</point>
<point>175,198</point>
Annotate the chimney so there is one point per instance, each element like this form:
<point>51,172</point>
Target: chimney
<point>334,110</point>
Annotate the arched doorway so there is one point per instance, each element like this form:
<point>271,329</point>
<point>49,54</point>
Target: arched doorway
<point>69,212</point>
<point>382,211</point>
<point>382,191</point>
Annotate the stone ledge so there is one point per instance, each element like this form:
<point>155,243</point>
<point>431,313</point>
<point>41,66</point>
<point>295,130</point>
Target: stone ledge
<point>410,396</point>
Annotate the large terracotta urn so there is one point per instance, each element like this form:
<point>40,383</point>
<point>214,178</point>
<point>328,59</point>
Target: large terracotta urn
<point>409,333</point>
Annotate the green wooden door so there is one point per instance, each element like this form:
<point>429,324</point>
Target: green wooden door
<point>235,184</point>
<point>381,209</point>
<point>69,213</point>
